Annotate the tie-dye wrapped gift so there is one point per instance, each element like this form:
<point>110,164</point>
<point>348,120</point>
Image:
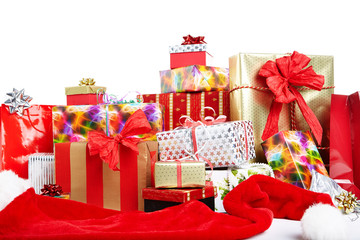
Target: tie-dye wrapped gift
<point>293,155</point>
<point>72,123</point>
<point>194,78</point>
<point>224,145</point>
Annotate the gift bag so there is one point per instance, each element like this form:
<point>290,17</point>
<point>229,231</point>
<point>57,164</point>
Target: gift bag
<point>23,135</point>
<point>345,141</point>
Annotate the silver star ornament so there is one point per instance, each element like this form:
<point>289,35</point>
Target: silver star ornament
<point>18,101</point>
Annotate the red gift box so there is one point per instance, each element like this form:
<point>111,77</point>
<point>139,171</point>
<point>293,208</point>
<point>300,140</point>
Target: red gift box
<point>345,141</point>
<point>90,180</point>
<point>24,135</point>
<point>184,59</point>
<point>179,195</point>
<point>190,104</point>
<point>83,99</point>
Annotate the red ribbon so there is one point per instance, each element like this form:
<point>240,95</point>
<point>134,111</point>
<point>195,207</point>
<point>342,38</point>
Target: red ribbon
<point>107,147</point>
<point>51,190</point>
<point>193,40</point>
<point>281,77</point>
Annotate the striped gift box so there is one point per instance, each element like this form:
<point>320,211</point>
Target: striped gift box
<point>41,170</point>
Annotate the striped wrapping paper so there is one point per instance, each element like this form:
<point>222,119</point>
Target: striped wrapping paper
<point>41,170</point>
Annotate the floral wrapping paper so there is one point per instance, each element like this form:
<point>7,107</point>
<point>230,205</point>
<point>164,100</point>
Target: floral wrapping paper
<point>220,179</point>
<point>293,155</point>
<point>72,123</point>
<point>225,144</point>
<point>254,105</point>
<point>194,78</point>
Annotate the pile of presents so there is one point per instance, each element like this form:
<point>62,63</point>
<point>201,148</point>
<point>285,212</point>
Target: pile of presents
<point>210,129</point>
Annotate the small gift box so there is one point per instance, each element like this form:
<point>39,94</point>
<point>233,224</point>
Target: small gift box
<point>84,94</point>
<point>41,170</point>
<point>72,123</point>
<point>220,180</point>
<point>223,144</point>
<point>157,199</point>
<point>293,155</point>
<point>179,174</point>
<point>191,52</point>
<point>194,78</point>
<point>256,96</point>
<point>191,104</point>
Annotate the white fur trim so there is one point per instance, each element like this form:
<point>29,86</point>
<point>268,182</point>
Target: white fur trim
<point>11,186</point>
<point>322,221</point>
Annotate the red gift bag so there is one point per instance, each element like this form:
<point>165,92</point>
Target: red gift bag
<point>21,136</point>
<point>345,141</point>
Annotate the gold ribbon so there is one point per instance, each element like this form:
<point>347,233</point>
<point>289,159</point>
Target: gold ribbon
<point>87,82</point>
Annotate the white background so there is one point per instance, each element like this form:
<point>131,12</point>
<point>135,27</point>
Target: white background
<point>48,45</point>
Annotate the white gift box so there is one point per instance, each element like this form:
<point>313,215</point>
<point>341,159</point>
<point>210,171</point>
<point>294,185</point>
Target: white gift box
<point>41,170</point>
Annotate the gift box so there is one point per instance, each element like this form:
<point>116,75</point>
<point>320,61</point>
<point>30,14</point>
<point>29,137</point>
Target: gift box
<point>84,95</point>
<point>190,104</point>
<point>90,180</point>
<point>157,199</point>
<point>23,135</point>
<point>72,123</point>
<point>251,99</point>
<point>238,175</point>
<point>224,144</point>
<point>345,141</point>
<point>220,179</point>
<point>41,170</point>
<point>179,174</point>
<point>194,78</point>
<point>293,155</point>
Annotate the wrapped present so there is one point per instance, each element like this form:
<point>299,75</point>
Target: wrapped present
<point>191,52</point>
<point>224,144</point>
<point>84,94</point>
<point>72,123</point>
<point>24,130</point>
<point>157,199</point>
<point>190,104</point>
<point>251,98</point>
<point>345,141</point>
<point>220,180</point>
<point>179,174</point>
<point>194,78</point>
<point>293,155</point>
<point>238,175</point>
<point>41,170</point>
<point>90,180</point>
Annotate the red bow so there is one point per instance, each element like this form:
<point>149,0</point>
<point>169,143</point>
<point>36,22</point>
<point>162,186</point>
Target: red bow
<point>107,147</point>
<point>193,40</point>
<point>281,77</point>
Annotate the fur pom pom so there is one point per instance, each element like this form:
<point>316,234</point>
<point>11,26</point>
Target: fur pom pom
<point>322,221</point>
<point>11,186</point>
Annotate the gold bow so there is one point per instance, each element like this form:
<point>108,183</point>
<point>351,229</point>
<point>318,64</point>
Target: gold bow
<point>87,82</point>
<point>347,202</point>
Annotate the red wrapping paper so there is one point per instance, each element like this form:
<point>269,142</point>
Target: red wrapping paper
<point>184,59</point>
<point>179,195</point>
<point>191,104</point>
<point>83,99</point>
<point>345,141</point>
<point>25,135</point>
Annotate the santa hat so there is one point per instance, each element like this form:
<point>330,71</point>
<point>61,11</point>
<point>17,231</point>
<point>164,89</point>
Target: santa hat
<point>251,207</point>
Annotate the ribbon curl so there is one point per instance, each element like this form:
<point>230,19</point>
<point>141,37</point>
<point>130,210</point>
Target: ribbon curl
<point>193,40</point>
<point>281,77</point>
<point>207,121</point>
<point>107,147</point>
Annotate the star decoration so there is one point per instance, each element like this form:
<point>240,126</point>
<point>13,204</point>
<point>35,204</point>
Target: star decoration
<point>347,202</point>
<point>18,101</point>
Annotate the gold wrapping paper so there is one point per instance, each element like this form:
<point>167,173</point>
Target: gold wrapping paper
<point>192,174</point>
<point>254,105</point>
<point>83,90</point>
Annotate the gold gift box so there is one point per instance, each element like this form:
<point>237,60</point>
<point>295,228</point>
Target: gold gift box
<point>83,90</point>
<point>192,174</point>
<point>254,105</point>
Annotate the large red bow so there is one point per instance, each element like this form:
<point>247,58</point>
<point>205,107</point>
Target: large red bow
<point>107,147</point>
<point>193,40</point>
<point>281,77</point>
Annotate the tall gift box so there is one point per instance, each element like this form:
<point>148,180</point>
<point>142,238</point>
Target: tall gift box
<point>72,123</point>
<point>90,180</point>
<point>293,155</point>
<point>250,98</point>
<point>21,136</point>
<point>190,104</point>
<point>194,78</point>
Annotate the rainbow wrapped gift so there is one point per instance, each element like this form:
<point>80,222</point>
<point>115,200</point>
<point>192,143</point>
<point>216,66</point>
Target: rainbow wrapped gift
<point>72,123</point>
<point>293,155</point>
<point>194,78</point>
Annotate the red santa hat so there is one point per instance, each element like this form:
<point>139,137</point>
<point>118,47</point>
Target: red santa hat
<point>251,207</point>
